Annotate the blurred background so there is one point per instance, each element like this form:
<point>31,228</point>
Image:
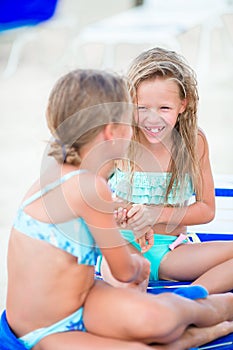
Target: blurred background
<point>37,50</point>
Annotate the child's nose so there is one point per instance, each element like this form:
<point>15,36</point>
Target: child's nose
<point>153,114</point>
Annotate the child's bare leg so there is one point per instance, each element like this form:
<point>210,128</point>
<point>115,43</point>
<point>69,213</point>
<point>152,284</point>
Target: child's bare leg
<point>214,273</point>
<point>215,309</point>
<point>191,337</point>
<point>126,314</point>
<point>194,336</point>
<point>85,341</point>
<point>108,277</point>
<point>218,279</point>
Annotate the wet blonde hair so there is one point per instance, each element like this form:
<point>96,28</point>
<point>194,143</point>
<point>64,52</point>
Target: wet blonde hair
<point>158,62</point>
<point>81,103</point>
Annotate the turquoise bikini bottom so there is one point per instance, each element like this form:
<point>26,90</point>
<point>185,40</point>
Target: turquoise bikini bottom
<point>156,253</point>
<point>74,322</point>
<point>162,245</point>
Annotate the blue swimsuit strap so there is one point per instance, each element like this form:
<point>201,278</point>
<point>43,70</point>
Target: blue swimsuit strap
<point>51,186</point>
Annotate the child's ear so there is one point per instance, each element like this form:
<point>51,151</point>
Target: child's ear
<point>183,105</point>
<point>109,132</point>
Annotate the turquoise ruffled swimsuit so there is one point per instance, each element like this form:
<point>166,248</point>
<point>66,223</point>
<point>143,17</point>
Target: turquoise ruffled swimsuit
<point>150,188</point>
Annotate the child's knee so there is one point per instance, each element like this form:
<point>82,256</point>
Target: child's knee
<point>160,324</point>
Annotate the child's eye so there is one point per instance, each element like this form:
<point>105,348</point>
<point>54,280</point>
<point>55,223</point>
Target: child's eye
<point>142,109</point>
<point>165,108</point>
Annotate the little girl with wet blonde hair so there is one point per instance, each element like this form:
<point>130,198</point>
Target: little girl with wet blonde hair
<point>168,162</point>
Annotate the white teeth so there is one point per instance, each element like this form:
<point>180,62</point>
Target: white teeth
<point>154,129</point>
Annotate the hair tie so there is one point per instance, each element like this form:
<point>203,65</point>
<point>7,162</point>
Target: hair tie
<point>63,149</point>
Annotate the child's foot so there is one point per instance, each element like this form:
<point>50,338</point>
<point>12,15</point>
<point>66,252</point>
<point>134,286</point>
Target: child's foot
<point>194,337</point>
<point>221,304</point>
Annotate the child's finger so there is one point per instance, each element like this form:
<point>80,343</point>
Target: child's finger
<point>149,239</point>
<point>139,233</point>
<point>120,216</point>
<point>124,214</point>
<point>119,213</point>
<point>138,226</point>
<point>115,214</point>
<point>142,242</point>
<point>134,209</point>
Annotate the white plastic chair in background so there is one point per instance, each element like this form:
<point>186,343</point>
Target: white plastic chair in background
<point>136,26</point>
<point>156,23</point>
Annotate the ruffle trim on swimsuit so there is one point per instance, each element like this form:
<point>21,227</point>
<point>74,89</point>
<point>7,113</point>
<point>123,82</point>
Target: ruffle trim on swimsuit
<point>149,188</point>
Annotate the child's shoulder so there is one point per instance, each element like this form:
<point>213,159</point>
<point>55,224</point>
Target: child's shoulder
<point>94,195</point>
<point>202,143</point>
<point>87,183</point>
<point>201,133</point>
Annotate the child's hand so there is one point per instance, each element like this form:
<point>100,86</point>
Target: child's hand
<point>120,215</point>
<point>146,241</point>
<point>144,269</point>
<point>140,215</point>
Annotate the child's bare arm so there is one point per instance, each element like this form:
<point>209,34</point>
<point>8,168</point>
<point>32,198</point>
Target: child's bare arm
<point>144,236</point>
<point>100,220</point>
<point>200,212</point>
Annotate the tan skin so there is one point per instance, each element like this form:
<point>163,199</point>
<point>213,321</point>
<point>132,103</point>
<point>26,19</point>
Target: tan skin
<point>46,284</point>
<point>161,97</point>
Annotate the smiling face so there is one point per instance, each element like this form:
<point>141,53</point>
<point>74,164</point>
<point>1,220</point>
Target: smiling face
<point>159,104</point>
